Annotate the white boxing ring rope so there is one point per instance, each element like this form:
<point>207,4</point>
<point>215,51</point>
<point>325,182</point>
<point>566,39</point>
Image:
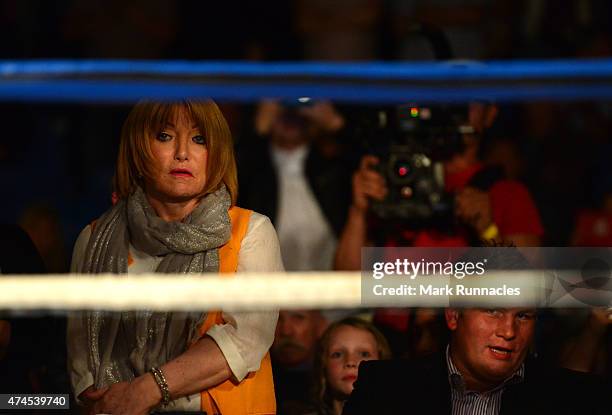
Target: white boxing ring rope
<point>178,292</point>
<point>264,291</point>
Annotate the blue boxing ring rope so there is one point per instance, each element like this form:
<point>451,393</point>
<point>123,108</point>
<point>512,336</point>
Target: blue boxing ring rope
<point>129,81</point>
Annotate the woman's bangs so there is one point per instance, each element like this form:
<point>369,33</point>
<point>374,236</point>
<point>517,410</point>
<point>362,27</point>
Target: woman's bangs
<point>162,114</point>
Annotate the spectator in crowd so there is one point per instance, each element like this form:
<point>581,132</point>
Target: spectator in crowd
<point>293,351</point>
<point>291,174</point>
<point>344,345</point>
<point>485,369</point>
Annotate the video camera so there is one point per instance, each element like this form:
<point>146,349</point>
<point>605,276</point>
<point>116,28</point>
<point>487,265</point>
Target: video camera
<point>416,140</point>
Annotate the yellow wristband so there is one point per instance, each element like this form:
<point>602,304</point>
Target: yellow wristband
<point>491,232</point>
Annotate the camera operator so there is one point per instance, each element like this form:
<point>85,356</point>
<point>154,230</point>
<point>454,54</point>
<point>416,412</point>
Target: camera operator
<point>479,205</point>
<point>502,210</point>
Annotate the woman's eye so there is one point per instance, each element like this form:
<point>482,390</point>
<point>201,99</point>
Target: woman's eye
<point>163,136</point>
<point>335,355</point>
<point>199,139</point>
<point>365,354</point>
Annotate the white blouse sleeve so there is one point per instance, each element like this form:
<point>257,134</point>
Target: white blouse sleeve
<point>76,337</point>
<point>247,336</point>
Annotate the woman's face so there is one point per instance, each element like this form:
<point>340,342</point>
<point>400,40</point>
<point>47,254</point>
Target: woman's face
<point>348,347</point>
<point>179,161</point>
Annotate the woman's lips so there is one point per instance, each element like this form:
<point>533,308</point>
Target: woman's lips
<point>181,173</point>
<point>350,378</point>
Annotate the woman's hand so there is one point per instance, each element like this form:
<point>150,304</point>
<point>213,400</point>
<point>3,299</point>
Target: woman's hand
<point>127,398</point>
<point>90,395</point>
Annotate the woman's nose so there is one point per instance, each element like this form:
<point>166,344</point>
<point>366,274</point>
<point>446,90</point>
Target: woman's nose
<point>181,150</point>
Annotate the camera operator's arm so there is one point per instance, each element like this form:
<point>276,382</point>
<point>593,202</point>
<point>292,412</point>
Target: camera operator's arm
<point>473,207</point>
<point>367,183</point>
<point>515,220</point>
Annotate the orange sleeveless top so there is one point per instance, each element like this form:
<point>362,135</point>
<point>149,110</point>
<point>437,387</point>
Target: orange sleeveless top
<point>255,394</point>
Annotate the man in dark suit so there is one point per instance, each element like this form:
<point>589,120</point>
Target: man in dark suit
<point>484,370</point>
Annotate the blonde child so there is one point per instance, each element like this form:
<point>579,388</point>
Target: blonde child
<point>343,346</point>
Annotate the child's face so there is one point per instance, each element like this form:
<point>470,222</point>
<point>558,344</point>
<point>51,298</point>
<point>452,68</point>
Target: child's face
<point>348,346</point>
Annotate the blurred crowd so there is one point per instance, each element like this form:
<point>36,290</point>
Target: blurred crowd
<point>300,29</point>
<point>307,168</point>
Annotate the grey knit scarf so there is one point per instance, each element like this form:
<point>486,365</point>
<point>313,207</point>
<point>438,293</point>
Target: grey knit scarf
<point>125,345</point>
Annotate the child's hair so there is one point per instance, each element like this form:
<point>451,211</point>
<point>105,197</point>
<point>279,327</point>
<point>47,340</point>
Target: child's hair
<point>322,397</point>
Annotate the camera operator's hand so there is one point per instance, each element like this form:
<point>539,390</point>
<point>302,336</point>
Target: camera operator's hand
<point>367,184</point>
<point>473,206</point>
